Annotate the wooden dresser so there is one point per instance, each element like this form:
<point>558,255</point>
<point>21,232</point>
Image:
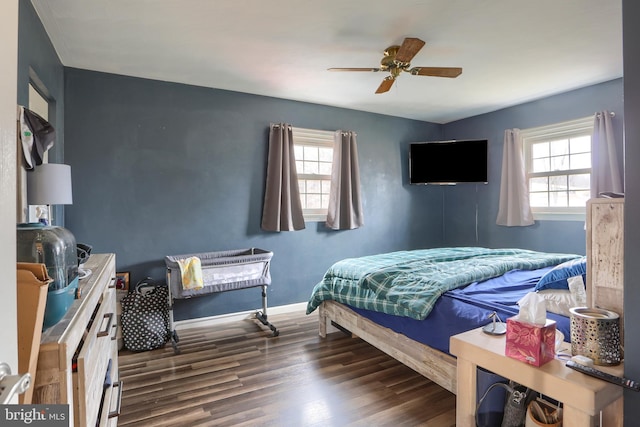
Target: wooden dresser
<point>78,358</point>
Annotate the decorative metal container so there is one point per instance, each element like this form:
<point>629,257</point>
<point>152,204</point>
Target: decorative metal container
<point>595,333</point>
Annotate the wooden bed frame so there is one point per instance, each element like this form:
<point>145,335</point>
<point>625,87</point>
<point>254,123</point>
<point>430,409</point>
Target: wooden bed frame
<point>604,290</point>
<point>439,367</point>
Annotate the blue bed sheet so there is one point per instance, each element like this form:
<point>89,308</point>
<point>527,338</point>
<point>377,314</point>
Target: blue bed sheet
<point>468,308</point>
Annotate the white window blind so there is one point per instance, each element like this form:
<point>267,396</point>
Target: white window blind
<point>314,160</point>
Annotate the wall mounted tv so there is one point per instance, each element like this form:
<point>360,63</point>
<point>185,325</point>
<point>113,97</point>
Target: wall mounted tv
<point>448,162</point>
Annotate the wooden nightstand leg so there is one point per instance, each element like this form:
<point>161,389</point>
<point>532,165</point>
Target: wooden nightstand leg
<point>612,415</point>
<point>573,417</point>
<point>466,394</point>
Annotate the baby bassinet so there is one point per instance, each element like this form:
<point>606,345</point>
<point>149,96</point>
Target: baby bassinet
<point>224,271</point>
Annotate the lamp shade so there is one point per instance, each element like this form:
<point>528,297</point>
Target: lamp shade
<point>49,184</point>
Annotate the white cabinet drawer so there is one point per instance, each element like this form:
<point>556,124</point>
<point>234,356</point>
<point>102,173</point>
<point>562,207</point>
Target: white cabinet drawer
<point>92,361</point>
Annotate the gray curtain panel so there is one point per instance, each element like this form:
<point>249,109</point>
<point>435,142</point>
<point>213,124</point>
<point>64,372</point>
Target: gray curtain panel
<point>605,173</point>
<point>345,205</point>
<point>514,209</point>
<point>282,210</point>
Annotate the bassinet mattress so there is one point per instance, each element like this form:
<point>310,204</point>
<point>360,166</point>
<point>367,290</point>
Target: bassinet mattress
<point>466,308</point>
<point>223,271</point>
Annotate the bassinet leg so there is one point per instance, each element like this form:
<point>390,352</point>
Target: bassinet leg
<point>262,315</point>
<point>173,334</point>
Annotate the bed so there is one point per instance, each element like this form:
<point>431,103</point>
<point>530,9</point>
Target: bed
<point>408,303</point>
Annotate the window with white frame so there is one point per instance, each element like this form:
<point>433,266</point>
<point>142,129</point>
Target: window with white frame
<point>558,167</point>
<point>314,160</point>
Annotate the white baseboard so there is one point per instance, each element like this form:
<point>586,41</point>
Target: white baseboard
<point>235,317</point>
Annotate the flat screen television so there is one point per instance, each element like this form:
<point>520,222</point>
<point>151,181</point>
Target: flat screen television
<point>448,162</point>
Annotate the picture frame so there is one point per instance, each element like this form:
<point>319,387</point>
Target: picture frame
<point>122,281</point>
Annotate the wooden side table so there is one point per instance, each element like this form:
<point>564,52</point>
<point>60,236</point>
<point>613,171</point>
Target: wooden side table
<point>585,398</point>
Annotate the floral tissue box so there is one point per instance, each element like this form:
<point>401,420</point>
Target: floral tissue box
<point>530,343</point>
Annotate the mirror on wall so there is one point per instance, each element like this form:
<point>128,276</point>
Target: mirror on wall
<point>31,213</point>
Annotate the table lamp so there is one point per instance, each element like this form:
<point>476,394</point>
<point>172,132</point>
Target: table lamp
<point>49,184</point>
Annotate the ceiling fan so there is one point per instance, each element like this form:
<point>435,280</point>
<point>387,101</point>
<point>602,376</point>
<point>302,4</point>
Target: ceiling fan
<point>398,58</point>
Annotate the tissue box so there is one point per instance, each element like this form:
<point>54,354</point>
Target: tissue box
<point>530,343</point>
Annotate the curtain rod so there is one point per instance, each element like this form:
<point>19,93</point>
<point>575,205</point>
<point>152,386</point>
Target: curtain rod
<point>611,113</point>
<point>277,125</point>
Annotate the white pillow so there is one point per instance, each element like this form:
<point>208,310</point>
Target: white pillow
<point>559,301</point>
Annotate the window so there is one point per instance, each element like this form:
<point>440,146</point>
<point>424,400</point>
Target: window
<point>314,159</point>
<point>558,167</point>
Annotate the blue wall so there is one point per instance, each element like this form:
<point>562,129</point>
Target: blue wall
<point>162,169</point>
<point>461,201</point>
<point>470,210</point>
<point>165,169</point>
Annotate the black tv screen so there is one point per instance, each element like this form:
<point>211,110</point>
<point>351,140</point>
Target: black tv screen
<point>448,162</point>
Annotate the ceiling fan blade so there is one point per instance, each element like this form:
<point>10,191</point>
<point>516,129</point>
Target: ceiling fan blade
<point>385,85</point>
<point>436,71</point>
<point>354,69</point>
<point>410,46</point>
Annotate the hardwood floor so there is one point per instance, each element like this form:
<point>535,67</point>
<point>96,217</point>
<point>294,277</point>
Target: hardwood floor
<point>238,375</point>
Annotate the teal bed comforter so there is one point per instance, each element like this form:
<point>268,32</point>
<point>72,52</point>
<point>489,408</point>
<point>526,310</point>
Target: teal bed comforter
<point>408,283</point>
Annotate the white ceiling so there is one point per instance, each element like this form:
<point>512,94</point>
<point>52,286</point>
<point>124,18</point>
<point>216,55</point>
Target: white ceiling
<point>511,51</point>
